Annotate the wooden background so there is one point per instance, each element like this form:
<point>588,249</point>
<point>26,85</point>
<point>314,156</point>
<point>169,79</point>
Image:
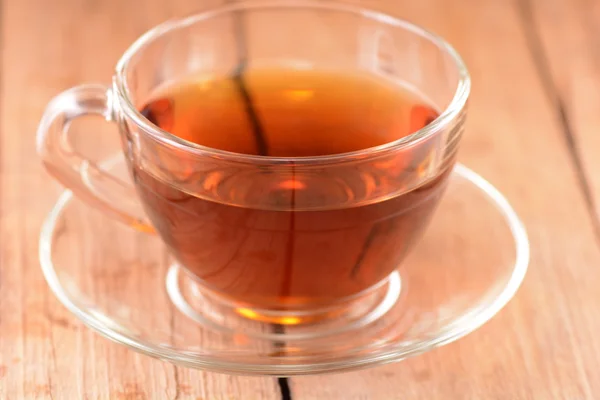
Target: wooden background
<point>533,131</point>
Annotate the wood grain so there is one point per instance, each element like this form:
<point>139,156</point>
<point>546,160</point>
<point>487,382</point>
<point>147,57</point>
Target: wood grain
<point>570,65</point>
<point>531,131</point>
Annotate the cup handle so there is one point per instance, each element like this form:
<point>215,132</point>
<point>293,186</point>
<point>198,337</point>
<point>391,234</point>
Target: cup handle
<point>86,179</point>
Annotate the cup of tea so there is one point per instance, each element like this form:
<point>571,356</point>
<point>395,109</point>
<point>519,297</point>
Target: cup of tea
<point>288,154</point>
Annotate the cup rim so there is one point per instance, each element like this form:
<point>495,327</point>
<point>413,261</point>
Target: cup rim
<point>453,109</point>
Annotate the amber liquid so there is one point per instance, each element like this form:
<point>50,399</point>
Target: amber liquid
<point>290,257</point>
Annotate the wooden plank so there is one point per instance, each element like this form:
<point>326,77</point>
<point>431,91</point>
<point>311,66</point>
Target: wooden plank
<point>542,345</point>
<point>564,37</point>
<point>44,351</point>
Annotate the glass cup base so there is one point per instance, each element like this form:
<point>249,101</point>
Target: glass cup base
<point>211,310</point>
<point>123,284</point>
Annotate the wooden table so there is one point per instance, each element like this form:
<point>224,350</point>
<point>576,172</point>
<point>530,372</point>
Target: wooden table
<point>533,131</point>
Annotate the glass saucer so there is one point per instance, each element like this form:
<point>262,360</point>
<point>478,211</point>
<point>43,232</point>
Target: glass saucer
<point>122,284</point>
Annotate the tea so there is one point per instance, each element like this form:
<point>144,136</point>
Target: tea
<point>290,256</point>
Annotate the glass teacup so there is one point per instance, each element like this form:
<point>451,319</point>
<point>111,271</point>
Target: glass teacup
<point>275,237</point>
